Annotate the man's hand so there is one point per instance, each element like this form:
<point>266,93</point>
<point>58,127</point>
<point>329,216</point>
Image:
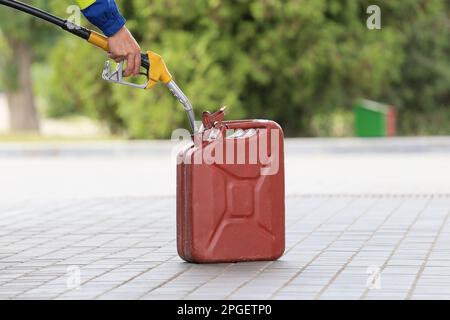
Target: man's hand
<point>122,46</point>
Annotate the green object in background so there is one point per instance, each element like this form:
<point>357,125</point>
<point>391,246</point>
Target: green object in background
<point>373,119</point>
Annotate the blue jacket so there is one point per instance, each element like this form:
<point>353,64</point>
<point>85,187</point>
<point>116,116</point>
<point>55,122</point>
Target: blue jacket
<point>104,14</point>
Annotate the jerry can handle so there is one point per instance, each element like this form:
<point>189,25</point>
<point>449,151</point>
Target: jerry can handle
<point>246,124</point>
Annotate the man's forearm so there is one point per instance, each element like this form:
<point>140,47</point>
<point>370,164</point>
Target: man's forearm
<point>104,14</point>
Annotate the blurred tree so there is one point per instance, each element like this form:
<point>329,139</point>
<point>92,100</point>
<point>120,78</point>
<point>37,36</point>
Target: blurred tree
<point>75,82</point>
<point>22,46</point>
<point>422,90</point>
<point>293,61</point>
<point>193,48</point>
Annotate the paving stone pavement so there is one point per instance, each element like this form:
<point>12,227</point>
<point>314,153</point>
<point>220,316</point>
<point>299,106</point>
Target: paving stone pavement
<point>360,224</point>
<point>338,247</point>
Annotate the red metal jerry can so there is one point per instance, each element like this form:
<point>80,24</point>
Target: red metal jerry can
<point>230,192</point>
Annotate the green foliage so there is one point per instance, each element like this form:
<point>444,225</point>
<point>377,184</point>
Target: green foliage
<point>301,63</point>
<point>75,84</point>
<point>18,26</point>
<point>15,29</point>
<point>422,91</point>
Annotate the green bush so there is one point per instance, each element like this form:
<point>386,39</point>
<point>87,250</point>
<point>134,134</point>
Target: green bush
<point>297,62</point>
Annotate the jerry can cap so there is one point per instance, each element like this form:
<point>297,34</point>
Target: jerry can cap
<point>213,120</point>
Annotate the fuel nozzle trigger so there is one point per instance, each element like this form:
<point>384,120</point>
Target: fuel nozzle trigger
<point>116,76</point>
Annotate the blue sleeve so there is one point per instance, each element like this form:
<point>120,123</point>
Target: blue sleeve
<point>105,15</point>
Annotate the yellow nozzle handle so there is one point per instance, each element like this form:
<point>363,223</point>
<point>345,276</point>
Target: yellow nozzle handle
<point>98,40</point>
<point>155,65</point>
<point>158,70</point>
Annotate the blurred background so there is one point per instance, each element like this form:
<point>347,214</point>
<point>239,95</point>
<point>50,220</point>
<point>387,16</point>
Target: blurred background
<point>305,64</point>
<point>87,170</point>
